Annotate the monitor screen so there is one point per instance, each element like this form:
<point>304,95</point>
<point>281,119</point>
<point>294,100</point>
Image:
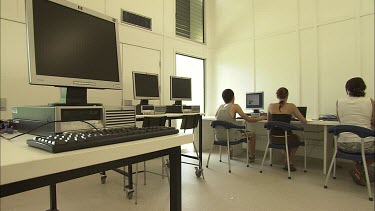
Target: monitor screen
<point>72,46</point>
<point>255,100</point>
<point>145,86</point>
<point>180,88</point>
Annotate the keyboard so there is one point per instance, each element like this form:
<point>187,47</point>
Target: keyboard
<point>87,139</point>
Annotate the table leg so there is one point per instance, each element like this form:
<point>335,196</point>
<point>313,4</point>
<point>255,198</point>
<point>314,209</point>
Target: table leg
<point>175,179</point>
<point>130,172</point>
<point>200,142</point>
<point>325,150</point>
<point>52,198</point>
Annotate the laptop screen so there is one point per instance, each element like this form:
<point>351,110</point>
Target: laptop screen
<point>303,111</point>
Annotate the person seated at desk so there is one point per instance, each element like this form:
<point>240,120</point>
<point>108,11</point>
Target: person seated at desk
<point>227,112</point>
<point>358,110</point>
<point>277,136</point>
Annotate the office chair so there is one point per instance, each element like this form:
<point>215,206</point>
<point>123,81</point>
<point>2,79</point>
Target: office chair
<point>286,127</point>
<point>191,122</point>
<point>360,132</point>
<point>227,125</point>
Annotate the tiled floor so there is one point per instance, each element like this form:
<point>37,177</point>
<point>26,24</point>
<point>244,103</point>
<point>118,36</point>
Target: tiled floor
<point>244,189</point>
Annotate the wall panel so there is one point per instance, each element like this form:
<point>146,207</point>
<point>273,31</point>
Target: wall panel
<point>337,62</point>
<point>367,53</point>
<point>274,16</point>
<point>277,65</point>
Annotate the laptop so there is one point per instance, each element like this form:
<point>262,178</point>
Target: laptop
<point>303,111</point>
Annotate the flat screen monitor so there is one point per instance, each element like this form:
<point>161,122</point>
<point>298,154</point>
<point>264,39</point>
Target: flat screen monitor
<point>180,88</point>
<point>72,46</point>
<point>255,100</point>
<point>145,86</point>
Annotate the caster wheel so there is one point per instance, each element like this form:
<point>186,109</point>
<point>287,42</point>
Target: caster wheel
<point>334,177</point>
<point>198,172</point>
<point>325,186</point>
<point>206,166</point>
<point>270,164</point>
<point>219,160</point>
<point>260,171</point>
<point>305,171</point>
<point>371,199</point>
<point>230,171</point>
<point>103,179</point>
<point>289,177</point>
<point>129,193</point>
<point>247,165</point>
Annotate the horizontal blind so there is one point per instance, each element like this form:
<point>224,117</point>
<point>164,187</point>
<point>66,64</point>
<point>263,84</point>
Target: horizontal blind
<point>190,19</point>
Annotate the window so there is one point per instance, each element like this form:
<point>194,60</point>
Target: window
<point>193,68</point>
<point>190,19</point>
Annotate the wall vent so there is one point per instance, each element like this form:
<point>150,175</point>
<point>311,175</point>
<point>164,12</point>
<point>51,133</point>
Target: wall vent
<point>136,20</point>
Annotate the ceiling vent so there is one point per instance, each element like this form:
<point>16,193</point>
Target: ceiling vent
<point>136,20</point>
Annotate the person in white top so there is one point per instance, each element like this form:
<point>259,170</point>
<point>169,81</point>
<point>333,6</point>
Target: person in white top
<point>358,110</point>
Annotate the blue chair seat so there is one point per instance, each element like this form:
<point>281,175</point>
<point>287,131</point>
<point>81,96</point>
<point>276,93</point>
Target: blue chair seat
<point>353,156</point>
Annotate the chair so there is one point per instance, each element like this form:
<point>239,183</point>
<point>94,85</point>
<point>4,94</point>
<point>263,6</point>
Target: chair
<point>227,125</point>
<point>362,133</point>
<point>286,127</point>
<point>191,122</point>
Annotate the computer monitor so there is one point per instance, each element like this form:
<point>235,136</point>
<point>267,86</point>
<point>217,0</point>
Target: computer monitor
<point>72,47</point>
<point>180,89</point>
<point>255,100</point>
<point>145,87</point>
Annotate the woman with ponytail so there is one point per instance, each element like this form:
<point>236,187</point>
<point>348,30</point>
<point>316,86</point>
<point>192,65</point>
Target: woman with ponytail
<point>277,136</point>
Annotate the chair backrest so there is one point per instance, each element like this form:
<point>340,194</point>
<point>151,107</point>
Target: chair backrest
<point>359,131</point>
<point>189,122</point>
<point>281,126</point>
<point>281,117</point>
<point>154,121</point>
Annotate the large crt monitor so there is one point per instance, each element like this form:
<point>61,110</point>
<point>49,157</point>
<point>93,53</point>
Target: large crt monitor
<point>145,87</point>
<point>71,46</point>
<point>180,89</point>
<point>255,100</point>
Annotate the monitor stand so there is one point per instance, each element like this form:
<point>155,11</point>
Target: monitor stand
<point>73,96</point>
<point>138,107</point>
<point>178,103</point>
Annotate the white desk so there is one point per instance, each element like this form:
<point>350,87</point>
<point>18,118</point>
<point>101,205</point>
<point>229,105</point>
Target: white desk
<point>25,168</point>
<point>325,125</point>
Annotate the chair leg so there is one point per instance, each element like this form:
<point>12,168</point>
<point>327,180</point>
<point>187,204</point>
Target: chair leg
<point>209,155</point>
<point>247,152</point>
<point>366,174</point>
<point>270,157</point>
<point>287,160</point>
<point>220,153</point>
<point>264,157</point>
<point>305,170</point>
<point>200,162</point>
<point>334,168</point>
<point>228,149</point>
<point>162,167</point>
<point>124,177</point>
<point>330,168</point>
<point>136,183</point>
<point>144,172</point>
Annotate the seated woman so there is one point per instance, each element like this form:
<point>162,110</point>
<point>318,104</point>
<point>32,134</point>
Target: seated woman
<point>277,136</point>
<point>227,112</point>
<point>356,109</point>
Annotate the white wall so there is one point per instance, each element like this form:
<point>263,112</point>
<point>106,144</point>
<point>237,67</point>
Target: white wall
<point>14,72</point>
<point>312,47</point>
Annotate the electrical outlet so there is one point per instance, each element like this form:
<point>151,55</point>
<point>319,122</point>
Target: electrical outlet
<point>3,104</point>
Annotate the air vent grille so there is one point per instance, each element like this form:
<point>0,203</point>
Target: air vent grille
<point>136,20</point>
<point>120,117</point>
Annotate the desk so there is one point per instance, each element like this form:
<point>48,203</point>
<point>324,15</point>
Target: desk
<point>170,117</point>
<point>24,168</point>
<point>325,125</point>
